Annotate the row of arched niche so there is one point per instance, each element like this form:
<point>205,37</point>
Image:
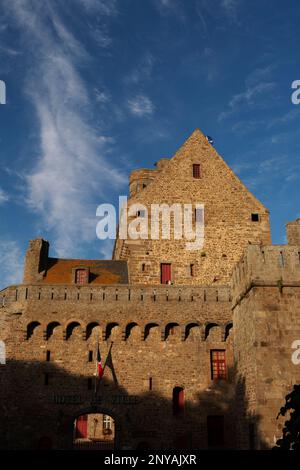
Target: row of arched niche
<point>74,329</point>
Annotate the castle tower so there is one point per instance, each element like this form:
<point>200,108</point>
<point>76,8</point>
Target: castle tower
<point>266,303</point>
<point>233,218</point>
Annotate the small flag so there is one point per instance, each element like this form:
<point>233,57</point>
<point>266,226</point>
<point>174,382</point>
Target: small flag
<point>210,140</point>
<point>99,363</point>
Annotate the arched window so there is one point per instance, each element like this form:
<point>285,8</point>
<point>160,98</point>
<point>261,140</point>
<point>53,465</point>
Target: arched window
<point>50,328</point>
<point>111,330</point>
<point>228,329</point>
<point>90,328</point>
<point>129,329</point>
<point>31,327</point>
<point>150,328</point>
<point>2,353</point>
<point>70,329</point>
<point>178,400</point>
<point>170,329</point>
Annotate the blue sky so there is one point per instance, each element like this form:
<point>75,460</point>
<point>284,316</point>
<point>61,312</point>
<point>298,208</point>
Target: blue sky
<point>96,88</point>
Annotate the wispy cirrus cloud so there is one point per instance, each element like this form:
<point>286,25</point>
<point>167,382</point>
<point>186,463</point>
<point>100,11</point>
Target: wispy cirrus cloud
<point>258,85</point>
<point>73,169</point>
<point>143,71</point>
<point>141,106</point>
<point>4,197</point>
<point>11,262</point>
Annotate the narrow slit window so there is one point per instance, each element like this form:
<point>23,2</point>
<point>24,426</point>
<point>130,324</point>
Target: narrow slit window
<point>196,170</point>
<point>192,270</point>
<point>48,356</point>
<point>90,356</point>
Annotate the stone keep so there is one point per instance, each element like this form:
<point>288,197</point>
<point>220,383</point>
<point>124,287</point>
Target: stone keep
<point>241,300</point>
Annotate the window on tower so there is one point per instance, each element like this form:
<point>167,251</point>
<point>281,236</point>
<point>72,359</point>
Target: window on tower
<point>218,364</point>
<point>196,170</point>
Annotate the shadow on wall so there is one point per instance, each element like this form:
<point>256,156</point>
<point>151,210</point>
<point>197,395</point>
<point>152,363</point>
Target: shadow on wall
<point>40,403</point>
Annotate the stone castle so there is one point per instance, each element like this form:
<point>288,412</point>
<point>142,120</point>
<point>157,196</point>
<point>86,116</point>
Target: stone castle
<point>199,346</point>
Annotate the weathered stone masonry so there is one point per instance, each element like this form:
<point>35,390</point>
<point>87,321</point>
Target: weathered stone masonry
<point>159,336</point>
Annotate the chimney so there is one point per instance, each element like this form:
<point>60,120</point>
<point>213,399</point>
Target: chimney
<point>36,261</point>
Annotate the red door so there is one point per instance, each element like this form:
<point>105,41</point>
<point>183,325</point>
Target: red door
<point>81,426</point>
<point>165,273</point>
<point>178,400</point>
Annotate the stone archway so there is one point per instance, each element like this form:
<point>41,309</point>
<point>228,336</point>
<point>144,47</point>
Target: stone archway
<point>95,429</point>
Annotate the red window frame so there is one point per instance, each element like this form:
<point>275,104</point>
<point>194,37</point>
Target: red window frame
<point>218,364</point>
<point>81,276</point>
<point>165,273</point>
<point>196,170</point>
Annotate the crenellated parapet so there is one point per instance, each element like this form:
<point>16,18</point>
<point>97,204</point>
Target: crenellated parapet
<point>273,265</point>
<point>114,293</point>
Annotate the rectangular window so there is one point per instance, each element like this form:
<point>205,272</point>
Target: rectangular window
<point>165,273</point>
<point>48,356</point>
<point>196,170</point>
<point>198,215</point>
<point>192,270</point>
<point>215,431</point>
<point>90,356</point>
<point>81,276</point>
<point>218,364</point>
<point>150,383</point>
<point>255,217</point>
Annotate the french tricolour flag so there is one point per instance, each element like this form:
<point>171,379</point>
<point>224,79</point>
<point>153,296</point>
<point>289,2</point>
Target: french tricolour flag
<point>99,363</point>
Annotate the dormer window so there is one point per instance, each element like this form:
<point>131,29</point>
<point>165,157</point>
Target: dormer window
<point>196,170</point>
<point>81,276</point>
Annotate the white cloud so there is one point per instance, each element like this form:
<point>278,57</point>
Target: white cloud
<point>102,96</point>
<point>4,197</point>
<point>250,93</point>
<point>246,99</point>
<point>141,106</point>
<point>257,84</point>
<point>73,169</point>
<point>11,262</point>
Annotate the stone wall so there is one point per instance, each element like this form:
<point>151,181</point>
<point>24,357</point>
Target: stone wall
<point>266,304</point>
<point>160,338</point>
<point>228,209</point>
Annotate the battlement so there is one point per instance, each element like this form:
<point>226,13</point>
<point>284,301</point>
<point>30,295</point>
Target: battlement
<point>273,265</point>
<point>116,293</point>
